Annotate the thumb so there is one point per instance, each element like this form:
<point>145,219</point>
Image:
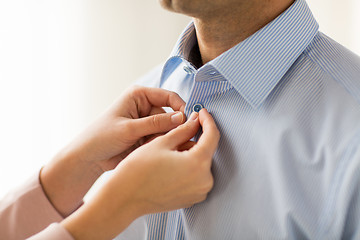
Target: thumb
<point>157,123</point>
<point>183,133</point>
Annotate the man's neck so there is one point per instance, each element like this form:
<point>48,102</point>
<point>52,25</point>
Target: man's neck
<point>220,32</point>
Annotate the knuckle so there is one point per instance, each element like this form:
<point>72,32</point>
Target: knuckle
<point>202,156</point>
<point>210,183</point>
<point>204,165</point>
<point>201,198</point>
<point>217,133</point>
<point>205,179</point>
<point>155,121</point>
<point>136,90</point>
<point>173,95</point>
<point>207,185</point>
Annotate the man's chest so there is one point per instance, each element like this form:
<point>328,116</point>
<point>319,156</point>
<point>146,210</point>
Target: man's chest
<point>275,165</point>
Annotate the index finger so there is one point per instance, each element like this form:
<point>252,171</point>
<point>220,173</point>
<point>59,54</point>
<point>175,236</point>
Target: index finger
<point>158,97</point>
<point>210,137</point>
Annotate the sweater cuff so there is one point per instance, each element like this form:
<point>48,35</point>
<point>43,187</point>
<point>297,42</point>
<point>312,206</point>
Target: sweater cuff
<point>26,211</point>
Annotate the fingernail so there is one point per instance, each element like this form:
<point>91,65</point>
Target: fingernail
<point>193,116</point>
<point>177,118</point>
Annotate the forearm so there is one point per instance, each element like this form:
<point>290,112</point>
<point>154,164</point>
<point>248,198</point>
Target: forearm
<point>93,222</point>
<point>154,178</point>
<point>66,179</point>
<point>108,213</point>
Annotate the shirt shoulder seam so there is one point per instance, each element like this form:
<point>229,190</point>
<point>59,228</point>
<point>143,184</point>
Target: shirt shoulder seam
<point>312,58</point>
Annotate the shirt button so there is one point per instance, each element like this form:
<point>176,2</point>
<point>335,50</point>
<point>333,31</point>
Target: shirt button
<point>197,107</point>
<point>188,70</point>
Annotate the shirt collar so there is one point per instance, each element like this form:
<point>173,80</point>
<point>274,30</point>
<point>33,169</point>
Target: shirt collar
<point>256,65</point>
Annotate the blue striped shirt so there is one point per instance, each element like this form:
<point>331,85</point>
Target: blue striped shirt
<point>286,101</point>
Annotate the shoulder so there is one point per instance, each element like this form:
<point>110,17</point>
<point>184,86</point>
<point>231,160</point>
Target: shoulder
<point>336,61</point>
<point>152,78</point>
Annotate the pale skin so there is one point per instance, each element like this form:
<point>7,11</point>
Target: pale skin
<point>154,178</point>
<point>221,24</point>
<point>157,167</point>
<point>106,142</point>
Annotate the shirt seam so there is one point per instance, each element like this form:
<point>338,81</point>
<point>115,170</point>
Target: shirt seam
<point>307,53</point>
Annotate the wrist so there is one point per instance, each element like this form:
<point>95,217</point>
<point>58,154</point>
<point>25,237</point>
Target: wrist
<point>65,181</point>
<point>105,215</point>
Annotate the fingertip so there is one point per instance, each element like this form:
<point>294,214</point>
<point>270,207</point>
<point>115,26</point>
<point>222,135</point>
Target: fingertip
<point>178,118</point>
<point>182,108</point>
<point>194,116</point>
<point>210,130</point>
<point>204,116</point>
<point>204,112</point>
<point>183,132</point>
<point>176,102</point>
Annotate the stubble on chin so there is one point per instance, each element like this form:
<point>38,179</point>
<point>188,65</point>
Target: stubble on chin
<point>166,4</point>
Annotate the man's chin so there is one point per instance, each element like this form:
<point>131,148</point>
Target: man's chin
<point>166,4</point>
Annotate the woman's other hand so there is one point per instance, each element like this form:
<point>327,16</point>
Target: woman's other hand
<point>125,126</point>
<point>168,173</point>
<point>121,129</point>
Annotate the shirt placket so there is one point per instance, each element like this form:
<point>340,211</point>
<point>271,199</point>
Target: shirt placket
<point>207,83</point>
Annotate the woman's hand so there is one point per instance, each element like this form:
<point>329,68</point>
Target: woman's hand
<point>120,130</point>
<point>125,126</point>
<point>168,173</point>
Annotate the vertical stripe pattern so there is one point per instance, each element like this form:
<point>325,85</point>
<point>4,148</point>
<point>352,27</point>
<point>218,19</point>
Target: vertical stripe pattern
<point>286,102</point>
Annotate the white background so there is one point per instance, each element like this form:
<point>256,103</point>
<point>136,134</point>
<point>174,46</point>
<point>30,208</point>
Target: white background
<point>62,62</point>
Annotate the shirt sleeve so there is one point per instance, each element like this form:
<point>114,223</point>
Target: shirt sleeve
<point>27,211</point>
<point>54,232</point>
